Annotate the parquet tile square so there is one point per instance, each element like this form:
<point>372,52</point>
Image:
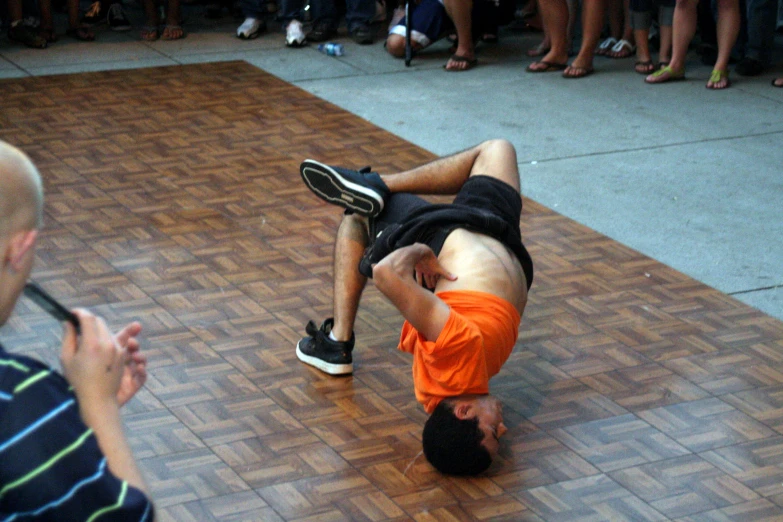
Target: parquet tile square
<point>619,442</point>
<point>683,486</point>
<point>705,424</point>
<point>590,498</point>
<point>763,404</point>
<point>760,510</point>
<point>173,198</point>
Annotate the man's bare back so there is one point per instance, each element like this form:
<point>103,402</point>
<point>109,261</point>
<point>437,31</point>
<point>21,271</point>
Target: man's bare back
<point>483,264</point>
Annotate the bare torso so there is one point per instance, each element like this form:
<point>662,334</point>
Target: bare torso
<point>483,264</point>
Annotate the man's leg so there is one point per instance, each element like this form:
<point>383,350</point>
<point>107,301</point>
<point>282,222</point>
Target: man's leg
<point>495,158</point>
<point>366,192</point>
<point>352,239</point>
<point>330,346</point>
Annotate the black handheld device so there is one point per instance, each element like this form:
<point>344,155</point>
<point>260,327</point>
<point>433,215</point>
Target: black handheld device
<point>48,303</point>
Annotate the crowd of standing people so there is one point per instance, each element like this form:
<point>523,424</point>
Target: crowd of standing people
<point>739,32</point>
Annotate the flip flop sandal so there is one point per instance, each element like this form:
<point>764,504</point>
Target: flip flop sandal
<point>777,85</point>
<point>622,49</point>
<point>606,46</point>
<point>665,74</point>
<point>718,76</point>
<point>470,63</point>
<point>644,67</point>
<point>550,67</point>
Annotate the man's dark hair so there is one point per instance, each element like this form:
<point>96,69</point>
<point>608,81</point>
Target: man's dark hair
<point>453,445</point>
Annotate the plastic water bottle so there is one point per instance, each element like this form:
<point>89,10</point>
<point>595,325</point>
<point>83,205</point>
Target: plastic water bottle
<point>331,49</point>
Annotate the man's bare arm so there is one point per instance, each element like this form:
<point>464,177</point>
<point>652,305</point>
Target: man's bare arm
<point>394,277</point>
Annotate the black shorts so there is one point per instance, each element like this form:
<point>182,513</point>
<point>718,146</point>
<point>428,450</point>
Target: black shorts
<point>484,204</point>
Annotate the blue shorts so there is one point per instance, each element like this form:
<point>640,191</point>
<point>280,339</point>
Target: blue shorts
<point>428,24</point>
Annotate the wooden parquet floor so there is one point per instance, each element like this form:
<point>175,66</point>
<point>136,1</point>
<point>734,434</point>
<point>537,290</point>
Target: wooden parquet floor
<point>173,197</point>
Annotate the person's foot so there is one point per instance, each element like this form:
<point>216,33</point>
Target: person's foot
<point>83,34</point>
<point>605,47</point>
<point>359,191</point>
<point>362,34</point>
<point>573,72</point>
<point>644,66</point>
<point>321,32</point>
<point>777,82</point>
<point>622,49</point>
<point>542,66</point>
<point>718,80</point>
<point>294,34</point>
<point>116,18</point>
<point>457,63</point>
<point>251,28</point>
<point>19,32</point>
<point>172,32</point>
<point>665,74</point>
<point>150,33</point>
<point>749,67</point>
<point>319,351</point>
<point>95,15</point>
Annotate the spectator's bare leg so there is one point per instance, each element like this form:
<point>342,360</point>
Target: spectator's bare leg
<point>592,23</point>
<point>554,15</point>
<point>460,13</point>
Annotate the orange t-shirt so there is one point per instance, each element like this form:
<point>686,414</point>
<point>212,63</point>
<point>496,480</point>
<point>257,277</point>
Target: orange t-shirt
<point>475,342</point>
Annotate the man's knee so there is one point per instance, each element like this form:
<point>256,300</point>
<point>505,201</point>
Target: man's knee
<point>497,158</point>
<point>355,228</point>
<point>395,45</point>
<point>498,146</point>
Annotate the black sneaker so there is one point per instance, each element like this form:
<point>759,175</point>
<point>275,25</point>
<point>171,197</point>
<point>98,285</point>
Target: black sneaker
<point>117,19</point>
<point>321,32</point>
<point>95,15</point>
<point>749,67</point>
<point>317,350</point>
<point>362,34</point>
<point>360,191</point>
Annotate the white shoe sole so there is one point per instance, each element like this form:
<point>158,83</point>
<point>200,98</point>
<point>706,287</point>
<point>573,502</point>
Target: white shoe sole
<point>330,186</point>
<point>330,368</point>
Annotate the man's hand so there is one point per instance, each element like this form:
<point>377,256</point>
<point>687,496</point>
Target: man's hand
<point>135,373</point>
<point>393,277</point>
<point>428,268</point>
<point>104,370</point>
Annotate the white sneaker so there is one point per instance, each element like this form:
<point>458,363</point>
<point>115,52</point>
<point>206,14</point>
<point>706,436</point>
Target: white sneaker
<point>251,28</point>
<point>294,35</point>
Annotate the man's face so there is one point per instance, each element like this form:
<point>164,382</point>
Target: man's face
<point>489,412</point>
<point>14,281</point>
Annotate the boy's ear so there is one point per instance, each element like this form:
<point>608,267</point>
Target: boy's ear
<point>462,410</point>
<point>21,243</point>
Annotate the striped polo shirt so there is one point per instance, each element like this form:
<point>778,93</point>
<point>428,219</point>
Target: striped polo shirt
<point>51,467</point>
